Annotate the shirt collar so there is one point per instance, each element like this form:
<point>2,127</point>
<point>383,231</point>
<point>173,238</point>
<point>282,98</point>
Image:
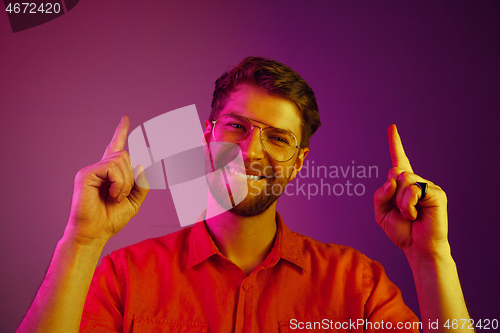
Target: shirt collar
<point>286,246</point>
<point>201,244</point>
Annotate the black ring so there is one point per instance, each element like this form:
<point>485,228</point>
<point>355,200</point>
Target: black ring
<point>423,188</point>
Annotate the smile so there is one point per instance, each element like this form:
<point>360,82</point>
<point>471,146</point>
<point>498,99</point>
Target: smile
<point>233,171</point>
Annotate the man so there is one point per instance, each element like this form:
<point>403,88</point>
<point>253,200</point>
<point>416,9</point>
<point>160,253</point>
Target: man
<point>243,270</point>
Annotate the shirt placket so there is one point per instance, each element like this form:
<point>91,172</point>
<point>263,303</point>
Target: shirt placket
<point>244,307</point>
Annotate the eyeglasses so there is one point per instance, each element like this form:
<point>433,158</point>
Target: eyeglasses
<point>278,143</point>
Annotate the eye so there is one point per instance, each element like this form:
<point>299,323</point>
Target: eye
<point>277,138</point>
<point>234,126</point>
<point>238,126</point>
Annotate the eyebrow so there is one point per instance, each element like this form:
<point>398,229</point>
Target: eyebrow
<point>234,112</point>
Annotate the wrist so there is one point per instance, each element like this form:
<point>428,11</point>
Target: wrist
<point>80,258</point>
<point>79,243</point>
<point>82,237</point>
<point>434,261</point>
<point>430,253</point>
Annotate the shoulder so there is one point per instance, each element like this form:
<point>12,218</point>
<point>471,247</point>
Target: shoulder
<point>344,263</point>
<point>316,248</point>
<point>334,256</point>
<point>159,248</point>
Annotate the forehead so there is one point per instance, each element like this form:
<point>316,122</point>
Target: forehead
<point>254,102</point>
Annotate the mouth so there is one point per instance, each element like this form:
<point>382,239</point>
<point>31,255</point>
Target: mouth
<point>237,173</point>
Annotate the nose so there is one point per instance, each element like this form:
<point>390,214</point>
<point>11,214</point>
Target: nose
<point>251,146</point>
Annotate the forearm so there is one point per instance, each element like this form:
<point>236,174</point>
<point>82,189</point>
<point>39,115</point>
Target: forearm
<point>59,303</point>
<point>439,293</point>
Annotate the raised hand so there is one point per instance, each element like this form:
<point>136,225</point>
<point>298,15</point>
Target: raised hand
<point>418,227</point>
<point>105,195</point>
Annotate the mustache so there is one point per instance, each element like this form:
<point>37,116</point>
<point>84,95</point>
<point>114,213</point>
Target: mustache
<point>263,170</point>
<point>218,156</point>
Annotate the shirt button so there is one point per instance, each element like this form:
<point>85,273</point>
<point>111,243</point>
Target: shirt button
<point>245,287</point>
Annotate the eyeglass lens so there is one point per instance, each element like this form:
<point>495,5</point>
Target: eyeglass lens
<point>280,144</point>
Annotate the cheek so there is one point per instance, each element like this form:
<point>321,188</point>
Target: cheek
<point>283,170</point>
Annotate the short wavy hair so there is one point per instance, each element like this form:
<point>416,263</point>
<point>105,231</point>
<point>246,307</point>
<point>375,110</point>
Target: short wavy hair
<point>275,78</point>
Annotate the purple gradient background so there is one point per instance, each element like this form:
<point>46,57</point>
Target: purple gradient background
<point>431,67</point>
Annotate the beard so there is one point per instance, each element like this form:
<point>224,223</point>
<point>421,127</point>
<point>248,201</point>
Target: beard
<point>237,194</point>
<point>257,203</point>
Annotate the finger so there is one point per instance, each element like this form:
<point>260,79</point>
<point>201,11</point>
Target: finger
<point>382,199</point>
<point>141,187</point>
<point>126,167</point>
<point>130,170</point>
<point>398,155</point>
<point>410,200</point>
<point>119,138</point>
<point>103,174</point>
<point>117,180</point>
<point>408,194</point>
<point>140,177</point>
<point>122,159</point>
<point>403,182</point>
<point>394,173</point>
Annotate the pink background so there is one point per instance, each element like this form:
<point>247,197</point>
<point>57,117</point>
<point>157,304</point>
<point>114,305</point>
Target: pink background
<point>431,67</point>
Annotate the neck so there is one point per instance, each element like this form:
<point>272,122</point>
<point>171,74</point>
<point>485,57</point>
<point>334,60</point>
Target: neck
<point>245,240</point>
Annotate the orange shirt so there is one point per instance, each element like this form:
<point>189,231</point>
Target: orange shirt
<point>182,283</point>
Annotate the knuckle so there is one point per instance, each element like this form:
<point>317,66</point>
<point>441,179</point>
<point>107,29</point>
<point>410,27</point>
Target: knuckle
<point>415,190</point>
<point>120,160</point>
<point>392,173</point>
<point>81,173</point>
<point>403,176</point>
<point>121,153</point>
<point>119,182</point>
<point>125,154</point>
<point>123,158</point>
<point>441,194</point>
<point>115,168</point>
<point>84,173</point>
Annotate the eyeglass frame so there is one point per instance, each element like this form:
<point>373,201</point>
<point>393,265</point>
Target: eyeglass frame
<point>250,131</point>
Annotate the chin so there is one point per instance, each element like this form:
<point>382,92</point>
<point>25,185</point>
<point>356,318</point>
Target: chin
<point>255,208</point>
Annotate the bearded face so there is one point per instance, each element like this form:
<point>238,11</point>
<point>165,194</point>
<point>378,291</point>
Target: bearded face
<point>249,185</point>
<point>246,189</point>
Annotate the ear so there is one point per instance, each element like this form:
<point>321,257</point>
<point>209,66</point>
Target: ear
<point>208,130</point>
<point>299,162</point>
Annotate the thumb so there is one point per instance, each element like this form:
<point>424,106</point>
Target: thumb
<point>382,199</point>
<point>141,186</point>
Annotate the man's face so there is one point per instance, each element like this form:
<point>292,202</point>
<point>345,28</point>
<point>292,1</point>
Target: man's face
<point>267,110</point>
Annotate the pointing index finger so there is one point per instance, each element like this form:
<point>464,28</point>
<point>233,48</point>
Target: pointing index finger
<point>119,138</point>
<point>398,155</point>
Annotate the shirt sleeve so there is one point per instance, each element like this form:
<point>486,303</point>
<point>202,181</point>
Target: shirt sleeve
<point>103,311</point>
<point>385,309</point>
